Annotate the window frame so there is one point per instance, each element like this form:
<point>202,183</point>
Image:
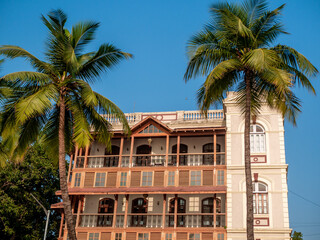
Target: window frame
<point>257,136</point>
<point>144,184</point>
<point>123,179</point>
<point>171,179</point>
<point>77,181</point>
<point>260,199</point>
<point>194,178</point>
<point>100,179</point>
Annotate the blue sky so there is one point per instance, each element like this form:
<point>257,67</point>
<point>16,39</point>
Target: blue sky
<point>156,33</point>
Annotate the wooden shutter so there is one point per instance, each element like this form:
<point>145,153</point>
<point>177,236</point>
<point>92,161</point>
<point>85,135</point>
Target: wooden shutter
<point>111,179</point>
<point>105,236</point>
<point>158,179</point>
<point>207,178</point>
<point>135,179</point>
<point>155,236</point>
<point>184,178</point>
<point>182,236</point>
<point>131,236</point>
<point>82,236</point>
<point>207,236</point>
<point>88,180</point>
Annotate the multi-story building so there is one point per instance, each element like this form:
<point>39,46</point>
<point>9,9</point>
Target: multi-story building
<point>181,176</point>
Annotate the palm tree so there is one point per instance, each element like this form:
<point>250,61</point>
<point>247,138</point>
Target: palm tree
<point>235,51</point>
<point>56,101</point>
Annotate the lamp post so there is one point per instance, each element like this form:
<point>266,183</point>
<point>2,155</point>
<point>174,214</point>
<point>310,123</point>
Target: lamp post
<point>47,212</point>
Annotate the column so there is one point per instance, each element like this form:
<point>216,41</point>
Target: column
<point>178,150</point>
<point>214,210</point>
<point>164,211</point>
<point>69,171</point>
<point>215,149</point>
<point>86,157</point>
<point>61,224</point>
<point>175,210</point>
<point>126,212</point>
<point>121,151</point>
<point>75,157</point>
<point>167,150</point>
<point>131,151</point>
<point>115,210</point>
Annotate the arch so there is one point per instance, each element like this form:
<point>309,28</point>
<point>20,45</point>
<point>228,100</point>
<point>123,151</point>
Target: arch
<point>144,149</point>
<point>106,205</point>
<point>115,150</point>
<point>183,159</point>
<point>257,139</point>
<point>181,208</point>
<point>113,160</point>
<point>260,198</point>
<point>207,159</point>
<point>139,205</point>
<point>143,160</point>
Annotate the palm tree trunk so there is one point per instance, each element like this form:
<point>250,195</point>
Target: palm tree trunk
<point>250,233</point>
<point>63,174</point>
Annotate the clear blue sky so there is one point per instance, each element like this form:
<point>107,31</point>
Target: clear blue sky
<point>156,33</point>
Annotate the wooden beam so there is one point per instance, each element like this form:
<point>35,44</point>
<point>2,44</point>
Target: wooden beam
<point>215,148</point>
<point>131,151</point>
<point>175,210</point>
<point>164,211</point>
<point>115,211</point>
<point>69,171</point>
<point>178,150</point>
<point>78,212</point>
<point>214,210</point>
<point>121,151</point>
<point>75,157</point>
<point>86,157</point>
<point>126,212</point>
<point>167,150</point>
<point>61,225</point>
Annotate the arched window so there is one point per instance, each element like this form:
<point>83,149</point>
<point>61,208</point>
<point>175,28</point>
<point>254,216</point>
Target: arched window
<point>143,160</point>
<point>106,205</point>
<point>183,158</point>
<point>113,160</point>
<point>181,203</point>
<point>208,158</point>
<point>139,205</point>
<point>260,198</point>
<point>257,139</point>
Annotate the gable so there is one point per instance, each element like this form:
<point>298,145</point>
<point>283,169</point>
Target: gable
<point>150,125</point>
<point>151,129</point>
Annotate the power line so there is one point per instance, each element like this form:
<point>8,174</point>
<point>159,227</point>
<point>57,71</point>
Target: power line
<point>298,195</point>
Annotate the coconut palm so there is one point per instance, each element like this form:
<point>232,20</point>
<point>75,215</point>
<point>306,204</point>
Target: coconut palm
<point>56,101</point>
<point>235,52</point>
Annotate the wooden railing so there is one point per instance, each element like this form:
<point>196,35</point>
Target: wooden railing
<point>151,160</point>
<point>147,220</point>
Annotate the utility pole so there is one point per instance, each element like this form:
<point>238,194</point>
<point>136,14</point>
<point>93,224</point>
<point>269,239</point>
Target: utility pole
<point>47,212</point>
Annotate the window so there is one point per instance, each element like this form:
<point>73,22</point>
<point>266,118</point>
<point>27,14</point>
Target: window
<point>124,204</point>
<point>143,236</point>
<point>220,179</point>
<point>151,129</point>
<point>220,236</point>
<point>150,204</point>
<point>118,236</point>
<point>194,236</point>
<point>125,161</point>
<point>123,179</point>
<point>147,178</point>
<point>193,204</point>
<point>100,179</point>
<point>195,178</point>
<point>171,180</point>
<point>169,236</point>
<point>260,198</point>
<point>257,139</point>
<point>93,236</point>
<point>77,180</point>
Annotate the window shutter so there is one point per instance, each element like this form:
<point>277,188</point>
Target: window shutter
<point>82,236</point>
<point>158,179</point>
<point>182,236</point>
<point>184,178</point>
<point>131,236</point>
<point>111,179</point>
<point>88,180</point>
<point>207,236</point>
<point>135,179</point>
<point>155,236</point>
<point>207,178</point>
<point>105,236</point>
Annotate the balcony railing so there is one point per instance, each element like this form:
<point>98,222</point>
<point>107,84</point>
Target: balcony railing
<point>96,220</point>
<point>151,160</point>
<point>195,220</point>
<point>133,118</point>
<point>152,220</point>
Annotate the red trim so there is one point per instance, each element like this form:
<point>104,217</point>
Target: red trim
<point>255,158</point>
<point>256,222</point>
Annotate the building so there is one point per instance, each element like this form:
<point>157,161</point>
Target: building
<point>181,176</point>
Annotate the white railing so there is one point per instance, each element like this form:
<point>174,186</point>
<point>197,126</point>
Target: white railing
<point>169,116</point>
<point>197,115</point>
